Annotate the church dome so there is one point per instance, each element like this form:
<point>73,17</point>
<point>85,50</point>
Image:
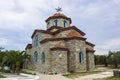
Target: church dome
<point>58,19</point>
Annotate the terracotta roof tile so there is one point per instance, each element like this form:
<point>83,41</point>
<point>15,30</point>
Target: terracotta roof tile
<point>58,15</point>
<point>58,31</point>
<point>74,33</point>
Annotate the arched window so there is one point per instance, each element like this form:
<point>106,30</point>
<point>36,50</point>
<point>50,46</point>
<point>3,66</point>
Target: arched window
<point>65,23</point>
<point>43,57</point>
<point>35,56</point>
<point>48,24</point>
<point>80,57</point>
<point>36,40</point>
<point>55,22</point>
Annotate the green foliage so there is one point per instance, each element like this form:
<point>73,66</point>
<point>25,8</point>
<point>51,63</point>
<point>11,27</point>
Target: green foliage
<point>101,60</point>
<point>13,59</point>
<point>113,58</point>
<point>110,78</point>
<point>26,72</point>
<point>1,76</point>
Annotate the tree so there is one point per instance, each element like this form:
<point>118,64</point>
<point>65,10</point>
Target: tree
<point>101,60</point>
<point>114,58</point>
<point>15,59</point>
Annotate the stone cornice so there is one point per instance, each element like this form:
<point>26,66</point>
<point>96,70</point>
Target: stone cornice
<point>42,31</point>
<point>29,46</point>
<point>90,44</point>
<point>89,50</point>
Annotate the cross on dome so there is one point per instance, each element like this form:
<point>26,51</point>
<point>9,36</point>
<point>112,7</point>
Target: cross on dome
<point>59,9</point>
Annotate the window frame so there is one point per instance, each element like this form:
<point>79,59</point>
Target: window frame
<point>55,23</point>
<point>80,57</point>
<point>36,40</point>
<point>43,57</point>
<point>65,23</point>
<point>35,56</point>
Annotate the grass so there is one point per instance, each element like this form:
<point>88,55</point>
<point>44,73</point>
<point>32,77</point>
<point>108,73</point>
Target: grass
<point>77,74</point>
<point>1,76</point>
<point>26,72</point>
<point>110,78</point>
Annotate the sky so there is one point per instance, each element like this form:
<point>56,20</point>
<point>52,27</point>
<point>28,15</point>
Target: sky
<point>99,19</point>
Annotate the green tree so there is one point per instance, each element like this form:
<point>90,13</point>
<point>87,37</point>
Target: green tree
<point>15,59</point>
<point>114,58</point>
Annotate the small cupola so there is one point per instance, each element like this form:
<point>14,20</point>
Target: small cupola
<point>58,19</point>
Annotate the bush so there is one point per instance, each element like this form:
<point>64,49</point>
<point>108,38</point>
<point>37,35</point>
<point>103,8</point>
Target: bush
<point>27,72</point>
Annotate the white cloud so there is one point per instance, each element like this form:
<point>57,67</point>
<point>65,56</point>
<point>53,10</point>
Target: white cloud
<point>112,44</point>
<point>4,42</point>
<point>18,18</point>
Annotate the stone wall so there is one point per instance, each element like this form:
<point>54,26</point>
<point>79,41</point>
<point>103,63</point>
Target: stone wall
<point>60,22</point>
<point>59,61</point>
<point>90,61</point>
<point>75,47</point>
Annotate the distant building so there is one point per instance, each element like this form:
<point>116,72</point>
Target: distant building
<point>61,48</point>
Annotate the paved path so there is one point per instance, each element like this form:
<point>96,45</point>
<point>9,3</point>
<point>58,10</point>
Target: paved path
<point>95,76</point>
<point>87,77</point>
<point>60,77</point>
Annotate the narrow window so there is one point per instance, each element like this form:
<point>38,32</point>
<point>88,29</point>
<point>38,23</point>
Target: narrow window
<point>43,57</point>
<point>48,24</point>
<point>65,23</point>
<point>80,57</point>
<point>36,40</point>
<point>35,56</point>
<point>55,22</point>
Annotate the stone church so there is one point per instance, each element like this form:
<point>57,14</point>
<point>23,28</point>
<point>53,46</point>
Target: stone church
<point>61,48</point>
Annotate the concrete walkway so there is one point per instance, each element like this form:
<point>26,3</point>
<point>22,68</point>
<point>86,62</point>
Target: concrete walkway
<point>60,77</point>
<point>95,76</point>
<point>87,77</point>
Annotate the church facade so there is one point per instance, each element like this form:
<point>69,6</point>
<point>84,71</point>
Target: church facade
<point>61,48</point>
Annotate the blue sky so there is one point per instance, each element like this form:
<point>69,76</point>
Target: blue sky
<point>99,19</point>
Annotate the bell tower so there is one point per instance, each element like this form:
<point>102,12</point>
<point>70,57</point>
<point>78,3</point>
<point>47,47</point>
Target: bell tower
<point>58,19</point>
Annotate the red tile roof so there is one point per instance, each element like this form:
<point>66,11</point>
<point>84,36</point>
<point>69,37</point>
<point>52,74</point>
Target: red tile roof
<point>58,31</point>
<point>58,15</point>
<point>74,33</point>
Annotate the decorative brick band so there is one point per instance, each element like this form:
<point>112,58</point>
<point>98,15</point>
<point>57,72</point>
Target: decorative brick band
<point>59,48</point>
<point>59,39</point>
